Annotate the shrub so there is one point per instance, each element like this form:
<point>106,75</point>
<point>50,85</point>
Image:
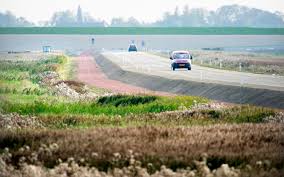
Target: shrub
<point>125,100</point>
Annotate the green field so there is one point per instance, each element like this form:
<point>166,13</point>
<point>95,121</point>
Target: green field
<point>143,30</point>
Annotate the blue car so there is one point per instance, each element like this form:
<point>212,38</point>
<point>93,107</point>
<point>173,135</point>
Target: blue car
<point>132,48</point>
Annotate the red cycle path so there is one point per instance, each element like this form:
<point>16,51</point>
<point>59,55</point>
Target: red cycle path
<point>90,73</point>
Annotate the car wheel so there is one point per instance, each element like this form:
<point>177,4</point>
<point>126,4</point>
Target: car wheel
<point>189,68</point>
<point>174,68</point>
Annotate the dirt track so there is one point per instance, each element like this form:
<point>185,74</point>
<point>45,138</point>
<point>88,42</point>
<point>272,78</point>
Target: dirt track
<point>90,73</point>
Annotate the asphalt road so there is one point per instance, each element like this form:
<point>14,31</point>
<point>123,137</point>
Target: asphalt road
<point>145,63</point>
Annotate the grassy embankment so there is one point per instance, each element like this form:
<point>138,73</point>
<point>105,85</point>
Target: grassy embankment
<point>144,30</point>
<point>131,131</point>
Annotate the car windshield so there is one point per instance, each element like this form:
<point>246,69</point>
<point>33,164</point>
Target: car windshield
<point>181,56</point>
<point>132,46</point>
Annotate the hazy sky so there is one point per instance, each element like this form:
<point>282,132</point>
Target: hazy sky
<point>143,10</point>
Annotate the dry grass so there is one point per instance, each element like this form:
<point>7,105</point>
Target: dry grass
<point>30,166</point>
<point>236,145</point>
<point>254,63</point>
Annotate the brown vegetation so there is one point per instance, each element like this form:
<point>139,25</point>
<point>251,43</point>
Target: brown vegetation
<point>236,145</point>
<point>30,166</point>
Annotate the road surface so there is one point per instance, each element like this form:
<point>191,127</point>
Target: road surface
<point>159,66</point>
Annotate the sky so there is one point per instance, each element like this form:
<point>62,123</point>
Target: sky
<point>143,10</point>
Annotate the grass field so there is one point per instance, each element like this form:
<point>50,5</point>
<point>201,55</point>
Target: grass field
<point>51,125</point>
<point>143,30</point>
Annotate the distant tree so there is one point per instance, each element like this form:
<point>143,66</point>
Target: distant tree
<point>89,21</point>
<point>8,19</point>
<point>133,22</point>
<point>167,15</point>
<point>170,20</point>
<point>64,18</point>
<point>68,19</point>
<point>230,15</point>
<point>185,10</point>
<point>176,13</point>
<point>120,22</point>
<point>44,23</point>
<point>79,15</point>
<point>115,22</point>
<point>185,17</point>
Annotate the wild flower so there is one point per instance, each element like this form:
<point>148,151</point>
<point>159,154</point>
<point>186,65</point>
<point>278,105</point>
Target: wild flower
<point>94,154</point>
<point>226,171</point>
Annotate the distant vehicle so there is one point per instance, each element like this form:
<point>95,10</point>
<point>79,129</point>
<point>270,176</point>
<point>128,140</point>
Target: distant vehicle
<point>132,48</point>
<point>180,59</point>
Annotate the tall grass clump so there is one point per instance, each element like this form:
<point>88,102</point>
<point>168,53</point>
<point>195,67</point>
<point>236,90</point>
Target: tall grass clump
<point>126,100</point>
<point>250,114</point>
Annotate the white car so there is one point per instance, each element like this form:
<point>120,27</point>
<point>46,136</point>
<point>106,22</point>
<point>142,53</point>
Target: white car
<point>180,59</point>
